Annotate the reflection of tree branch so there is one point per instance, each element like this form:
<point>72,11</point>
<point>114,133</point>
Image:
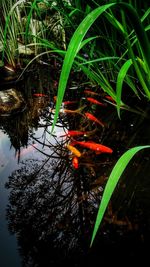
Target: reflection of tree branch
<point>57,148</point>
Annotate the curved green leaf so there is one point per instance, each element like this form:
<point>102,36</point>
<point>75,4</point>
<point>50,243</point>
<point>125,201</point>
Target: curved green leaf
<point>73,49</point>
<point>111,184</point>
<point>121,75</point>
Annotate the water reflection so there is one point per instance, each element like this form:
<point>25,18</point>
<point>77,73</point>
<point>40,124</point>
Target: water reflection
<point>52,206</point>
<point>48,207</point>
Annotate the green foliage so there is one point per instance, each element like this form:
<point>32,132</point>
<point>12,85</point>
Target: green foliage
<point>10,29</point>
<point>116,46</point>
<point>23,23</point>
<point>119,71</point>
<point>73,49</point>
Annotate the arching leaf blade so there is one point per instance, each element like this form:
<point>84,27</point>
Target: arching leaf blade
<point>111,184</point>
<point>73,49</point>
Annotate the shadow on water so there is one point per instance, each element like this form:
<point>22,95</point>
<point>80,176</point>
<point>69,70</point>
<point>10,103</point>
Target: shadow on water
<point>52,206</point>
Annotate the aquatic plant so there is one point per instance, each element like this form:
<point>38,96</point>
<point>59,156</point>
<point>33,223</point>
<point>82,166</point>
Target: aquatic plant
<point>137,58</point>
<point>24,24</point>
<point>9,33</point>
<point>130,65</point>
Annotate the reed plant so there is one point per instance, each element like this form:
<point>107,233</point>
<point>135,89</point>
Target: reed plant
<point>129,65</point>
<point>110,45</point>
<point>119,60</point>
<point>9,38</point>
<point>24,23</point>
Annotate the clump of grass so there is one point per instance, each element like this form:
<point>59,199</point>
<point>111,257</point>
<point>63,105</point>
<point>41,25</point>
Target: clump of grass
<point>123,65</point>
<point>133,64</point>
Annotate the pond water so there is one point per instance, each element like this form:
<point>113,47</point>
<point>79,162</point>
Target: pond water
<point>48,207</point>
<point>6,238</point>
<point>11,162</point>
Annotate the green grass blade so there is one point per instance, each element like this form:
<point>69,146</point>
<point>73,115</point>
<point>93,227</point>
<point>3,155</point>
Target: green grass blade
<point>33,6</point>
<point>98,60</point>
<point>99,80</point>
<point>87,41</point>
<point>115,22</point>
<point>142,65</point>
<point>73,49</point>
<point>8,17</point>
<point>121,75</point>
<point>140,32</point>
<point>112,182</point>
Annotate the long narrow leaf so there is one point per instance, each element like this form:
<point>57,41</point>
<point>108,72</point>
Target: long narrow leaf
<point>7,25</point>
<point>140,32</point>
<point>121,75</point>
<point>73,49</point>
<point>112,182</point>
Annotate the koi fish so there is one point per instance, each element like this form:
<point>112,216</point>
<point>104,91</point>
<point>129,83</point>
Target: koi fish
<point>110,98</point>
<point>94,101</point>
<point>70,111</point>
<point>90,92</point>
<point>93,118</point>
<point>74,150</point>
<point>94,146</point>
<point>75,162</point>
<point>73,133</point>
<point>55,98</point>
<point>38,94</point>
<point>69,102</point>
<point>73,111</point>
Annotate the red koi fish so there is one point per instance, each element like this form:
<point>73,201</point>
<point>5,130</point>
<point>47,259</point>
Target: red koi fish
<point>94,101</point>
<point>74,150</point>
<point>75,162</point>
<point>90,92</point>
<point>69,102</point>
<point>110,98</point>
<point>38,94</point>
<point>73,133</point>
<point>93,118</point>
<point>95,146</point>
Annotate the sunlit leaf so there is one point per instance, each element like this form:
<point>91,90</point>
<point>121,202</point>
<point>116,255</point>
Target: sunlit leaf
<point>111,184</point>
<point>73,49</point>
<point>121,75</point>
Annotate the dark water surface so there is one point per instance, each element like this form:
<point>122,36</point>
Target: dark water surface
<point>48,208</point>
<point>9,255</point>
<point>13,161</point>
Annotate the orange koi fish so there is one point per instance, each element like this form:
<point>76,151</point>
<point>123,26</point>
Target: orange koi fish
<point>74,150</point>
<point>90,92</point>
<point>55,98</point>
<point>94,101</point>
<point>75,162</point>
<point>73,133</point>
<point>93,118</point>
<point>74,111</point>
<point>38,94</point>
<point>70,111</point>
<point>95,146</point>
